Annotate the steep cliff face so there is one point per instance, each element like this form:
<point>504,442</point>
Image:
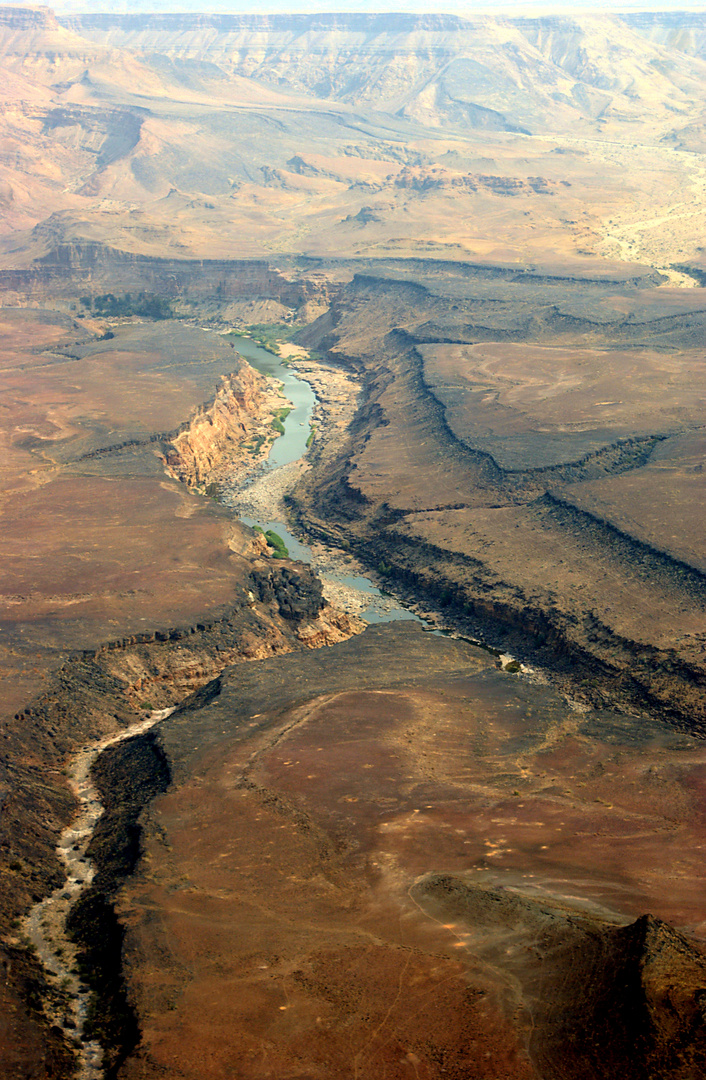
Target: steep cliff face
<point>612,606</point>
<point>68,268</point>
<point>684,31</point>
<point>22,18</point>
<point>225,432</point>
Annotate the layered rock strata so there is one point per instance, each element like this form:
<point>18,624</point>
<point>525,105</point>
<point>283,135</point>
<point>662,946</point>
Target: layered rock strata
<point>236,427</point>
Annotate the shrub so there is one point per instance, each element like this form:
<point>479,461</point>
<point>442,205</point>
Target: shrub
<point>279,548</point>
<point>279,417</point>
<point>153,307</point>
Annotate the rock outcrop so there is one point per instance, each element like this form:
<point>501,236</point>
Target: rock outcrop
<point>22,18</point>
<point>298,594</point>
<point>423,179</point>
<point>605,1001</point>
<point>68,268</point>
<point>218,434</point>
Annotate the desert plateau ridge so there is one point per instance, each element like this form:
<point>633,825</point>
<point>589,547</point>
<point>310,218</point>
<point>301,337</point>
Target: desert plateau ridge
<point>330,849</point>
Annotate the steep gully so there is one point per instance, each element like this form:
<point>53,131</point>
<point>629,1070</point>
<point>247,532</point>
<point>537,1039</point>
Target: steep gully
<point>46,925</point>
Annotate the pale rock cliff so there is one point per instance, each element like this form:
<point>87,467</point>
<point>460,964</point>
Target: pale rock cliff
<point>225,431</point>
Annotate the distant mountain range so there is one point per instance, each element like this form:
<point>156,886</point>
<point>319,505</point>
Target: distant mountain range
<point>118,126</point>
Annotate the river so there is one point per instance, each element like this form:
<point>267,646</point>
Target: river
<point>350,588</point>
<point>68,1003</point>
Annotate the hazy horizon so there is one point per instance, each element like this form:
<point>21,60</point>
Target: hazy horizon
<point>310,7</point>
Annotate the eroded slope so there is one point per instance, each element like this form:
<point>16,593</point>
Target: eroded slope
<point>214,136</point>
<point>478,472</point>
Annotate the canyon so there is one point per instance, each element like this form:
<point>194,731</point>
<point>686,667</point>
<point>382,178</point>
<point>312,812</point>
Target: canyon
<point>467,844</point>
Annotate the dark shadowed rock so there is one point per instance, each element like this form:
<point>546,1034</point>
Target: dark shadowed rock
<point>297,593</point>
<point>605,1001</point>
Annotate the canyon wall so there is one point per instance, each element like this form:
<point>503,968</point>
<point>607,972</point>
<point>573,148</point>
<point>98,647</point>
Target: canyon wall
<point>70,269</point>
<point>218,435</point>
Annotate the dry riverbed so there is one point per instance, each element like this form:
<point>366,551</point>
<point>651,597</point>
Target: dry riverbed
<point>45,927</point>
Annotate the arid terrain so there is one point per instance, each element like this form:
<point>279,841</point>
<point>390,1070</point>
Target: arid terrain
<point>342,853</point>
